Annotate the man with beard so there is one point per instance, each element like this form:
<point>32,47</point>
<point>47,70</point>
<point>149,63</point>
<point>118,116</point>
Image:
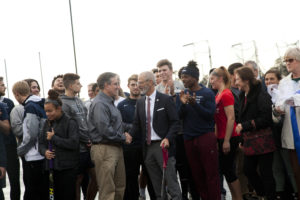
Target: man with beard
<point>156,118</point>
<point>196,108</point>
<point>13,165</point>
<point>133,154</point>
<point>58,85</point>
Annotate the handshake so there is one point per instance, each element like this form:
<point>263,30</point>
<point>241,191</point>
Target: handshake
<point>128,138</point>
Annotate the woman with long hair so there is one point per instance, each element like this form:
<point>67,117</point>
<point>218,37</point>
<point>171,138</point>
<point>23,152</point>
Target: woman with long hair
<point>255,122</point>
<point>34,86</point>
<point>228,139</point>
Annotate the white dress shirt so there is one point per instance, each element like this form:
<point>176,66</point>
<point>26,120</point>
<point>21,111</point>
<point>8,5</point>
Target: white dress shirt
<point>154,136</point>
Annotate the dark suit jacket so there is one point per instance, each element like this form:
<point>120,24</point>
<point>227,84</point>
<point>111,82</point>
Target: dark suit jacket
<point>165,118</point>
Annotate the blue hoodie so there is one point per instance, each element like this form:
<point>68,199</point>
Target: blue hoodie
<point>34,119</point>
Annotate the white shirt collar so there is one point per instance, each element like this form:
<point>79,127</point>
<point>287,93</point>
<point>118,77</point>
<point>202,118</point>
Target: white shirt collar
<point>153,95</point>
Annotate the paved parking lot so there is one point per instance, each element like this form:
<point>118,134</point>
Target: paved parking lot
<point>6,190</point>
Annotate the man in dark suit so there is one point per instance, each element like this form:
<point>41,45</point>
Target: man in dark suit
<point>156,118</point>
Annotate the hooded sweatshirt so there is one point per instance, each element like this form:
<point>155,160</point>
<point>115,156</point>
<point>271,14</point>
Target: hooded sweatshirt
<point>74,108</point>
<point>34,119</point>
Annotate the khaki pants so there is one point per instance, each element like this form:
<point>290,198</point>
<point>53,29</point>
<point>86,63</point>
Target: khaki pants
<point>110,171</point>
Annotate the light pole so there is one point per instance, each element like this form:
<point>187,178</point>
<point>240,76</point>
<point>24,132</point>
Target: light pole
<point>74,49</point>
<point>209,54</point>
<point>6,78</point>
<point>42,74</point>
<point>242,50</point>
<point>195,54</point>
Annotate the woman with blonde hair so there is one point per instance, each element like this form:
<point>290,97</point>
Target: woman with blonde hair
<point>228,138</point>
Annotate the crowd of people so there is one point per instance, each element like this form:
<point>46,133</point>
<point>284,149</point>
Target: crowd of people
<point>242,125</point>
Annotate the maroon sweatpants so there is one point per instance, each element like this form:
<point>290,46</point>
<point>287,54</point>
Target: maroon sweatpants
<point>202,155</point>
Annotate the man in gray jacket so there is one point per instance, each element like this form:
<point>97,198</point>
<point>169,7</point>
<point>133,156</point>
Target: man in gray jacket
<point>74,108</point>
<point>107,136</point>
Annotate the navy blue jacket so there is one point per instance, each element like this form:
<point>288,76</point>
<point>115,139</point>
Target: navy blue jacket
<point>127,109</point>
<point>9,105</point>
<point>34,118</point>
<point>197,119</point>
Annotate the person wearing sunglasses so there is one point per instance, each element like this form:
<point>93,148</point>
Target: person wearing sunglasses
<point>288,88</point>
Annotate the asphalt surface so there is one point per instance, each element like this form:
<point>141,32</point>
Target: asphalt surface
<point>7,189</point>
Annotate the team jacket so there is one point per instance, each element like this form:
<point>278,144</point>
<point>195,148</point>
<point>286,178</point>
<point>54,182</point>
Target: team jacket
<point>34,119</point>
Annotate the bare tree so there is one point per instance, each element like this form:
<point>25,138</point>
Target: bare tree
<point>281,66</point>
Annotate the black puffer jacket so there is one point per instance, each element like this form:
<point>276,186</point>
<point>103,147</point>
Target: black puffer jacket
<point>65,142</point>
<point>258,109</point>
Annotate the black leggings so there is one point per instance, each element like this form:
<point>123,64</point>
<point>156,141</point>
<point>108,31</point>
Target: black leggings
<point>227,161</point>
<point>263,183</point>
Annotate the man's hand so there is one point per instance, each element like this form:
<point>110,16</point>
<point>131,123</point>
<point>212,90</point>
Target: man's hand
<point>128,138</point>
<point>2,172</point>
<point>183,97</point>
<point>49,154</point>
<point>170,85</point>
<point>50,134</point>
<point>165,143</point>
<point>192,99</point>
<point>89,144</point>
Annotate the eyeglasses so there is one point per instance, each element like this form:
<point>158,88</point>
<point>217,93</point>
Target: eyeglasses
<point>289,60</point>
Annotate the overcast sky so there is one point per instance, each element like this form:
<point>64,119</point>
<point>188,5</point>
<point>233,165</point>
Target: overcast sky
<point>129,37</point>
